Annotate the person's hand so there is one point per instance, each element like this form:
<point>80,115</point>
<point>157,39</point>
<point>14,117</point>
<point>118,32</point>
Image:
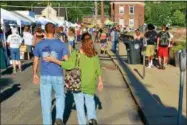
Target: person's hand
<point>100,85</point>
<point>48,59</point>
<point>36,79</point>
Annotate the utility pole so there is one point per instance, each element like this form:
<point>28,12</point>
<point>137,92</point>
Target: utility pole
<point>96,12</point>
<point>66,14</point>
<point>48,9</point>
<point>58,9</point>
<point>102,13</point>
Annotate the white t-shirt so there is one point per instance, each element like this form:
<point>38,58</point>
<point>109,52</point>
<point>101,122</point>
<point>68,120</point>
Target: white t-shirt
<point>14,40</point>
<point>28,38</point>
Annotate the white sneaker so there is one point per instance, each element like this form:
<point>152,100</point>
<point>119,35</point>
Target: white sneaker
<point>152,66</point>
<point>149,66</point>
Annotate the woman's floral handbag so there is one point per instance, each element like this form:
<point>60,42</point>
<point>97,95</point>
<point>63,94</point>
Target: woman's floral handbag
<point>73,77</point>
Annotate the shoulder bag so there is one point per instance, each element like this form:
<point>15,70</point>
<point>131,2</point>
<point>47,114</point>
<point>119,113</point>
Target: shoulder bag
<point>73,77</point>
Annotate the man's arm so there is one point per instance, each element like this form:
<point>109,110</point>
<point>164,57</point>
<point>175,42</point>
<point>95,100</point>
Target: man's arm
<point>65,57</point>
<point>158,40</point>
<point>35,65</point>
<point>35,70</point>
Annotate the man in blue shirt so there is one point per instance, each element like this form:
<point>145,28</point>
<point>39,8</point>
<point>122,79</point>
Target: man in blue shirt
<point>51,74</point>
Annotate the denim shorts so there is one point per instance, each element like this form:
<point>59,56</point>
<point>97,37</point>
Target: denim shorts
<point>71,43</point>
<point>15,53</point>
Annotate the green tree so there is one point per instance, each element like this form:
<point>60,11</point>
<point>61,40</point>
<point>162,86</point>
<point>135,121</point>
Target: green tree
<point>179,18</point>
<point>74,13</point>
<point>159,13</point>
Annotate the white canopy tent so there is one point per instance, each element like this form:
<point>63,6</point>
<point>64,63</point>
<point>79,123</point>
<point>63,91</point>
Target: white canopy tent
<point>44,21</point>
<point>27,16</point>
<point>57,21</point>
<point>6,15</point>
<point>12,16</point>
<point>24,20</point>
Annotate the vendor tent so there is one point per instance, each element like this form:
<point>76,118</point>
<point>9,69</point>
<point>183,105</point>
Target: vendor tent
<point>24,20</point>
<point>28,17</point>
<point>58,22</point>
<point>44,21</point>
<point>6,15</point>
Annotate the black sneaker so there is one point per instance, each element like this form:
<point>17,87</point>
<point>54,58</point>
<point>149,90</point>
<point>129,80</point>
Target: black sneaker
<point>92,122</point>
<point>59,122</point>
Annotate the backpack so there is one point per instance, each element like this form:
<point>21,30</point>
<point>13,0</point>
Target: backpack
<point>152,38</point>
<point>164,39</point>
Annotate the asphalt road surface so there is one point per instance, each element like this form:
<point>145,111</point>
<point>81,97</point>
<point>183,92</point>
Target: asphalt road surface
<point>20,99</point>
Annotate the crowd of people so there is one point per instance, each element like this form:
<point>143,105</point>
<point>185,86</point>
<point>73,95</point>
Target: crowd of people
<point>54,48</point>
<point>157,45</point>
<point>16,46</point>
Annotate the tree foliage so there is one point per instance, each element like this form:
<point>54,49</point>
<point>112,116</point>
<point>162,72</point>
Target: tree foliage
<point>75,13</point>
<point>159,13</point>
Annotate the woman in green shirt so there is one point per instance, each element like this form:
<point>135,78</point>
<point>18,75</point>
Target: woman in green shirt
<point>90,72</point>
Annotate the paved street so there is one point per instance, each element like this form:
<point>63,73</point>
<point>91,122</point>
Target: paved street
<point>20,99</point>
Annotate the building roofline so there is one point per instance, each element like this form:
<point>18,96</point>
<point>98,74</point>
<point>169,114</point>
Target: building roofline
<point>127,2</point>
<point>94,16</point>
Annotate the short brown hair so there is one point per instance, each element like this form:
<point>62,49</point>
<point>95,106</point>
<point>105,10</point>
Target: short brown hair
<point>50,28</point>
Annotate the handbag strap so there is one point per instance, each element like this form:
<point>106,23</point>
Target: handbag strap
<point>78,59</point>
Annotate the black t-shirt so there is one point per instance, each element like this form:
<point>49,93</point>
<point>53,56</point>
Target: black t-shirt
<point>151,37</point>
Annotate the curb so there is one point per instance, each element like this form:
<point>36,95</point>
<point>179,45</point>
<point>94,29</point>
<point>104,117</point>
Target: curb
<point>140,111</point>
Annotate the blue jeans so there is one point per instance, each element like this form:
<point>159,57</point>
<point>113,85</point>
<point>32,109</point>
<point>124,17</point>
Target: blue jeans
<point>15,53</point>
<point>114,45</point>
<point>90,107</point>
<point>46,85</point>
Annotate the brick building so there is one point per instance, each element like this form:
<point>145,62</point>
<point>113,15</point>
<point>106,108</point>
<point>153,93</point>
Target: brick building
<point>130,14</point>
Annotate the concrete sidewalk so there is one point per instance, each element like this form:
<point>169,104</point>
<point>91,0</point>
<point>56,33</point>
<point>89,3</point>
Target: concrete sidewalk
<point>157,94</point>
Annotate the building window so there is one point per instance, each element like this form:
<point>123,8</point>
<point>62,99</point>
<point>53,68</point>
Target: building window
<point>131,9</point>
<point>121,10</point>
<point>121,22</point>
<point>131,23</point>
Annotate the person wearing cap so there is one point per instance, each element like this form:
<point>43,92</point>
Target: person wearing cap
<point>14,41</point>
<point>151,38</point>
